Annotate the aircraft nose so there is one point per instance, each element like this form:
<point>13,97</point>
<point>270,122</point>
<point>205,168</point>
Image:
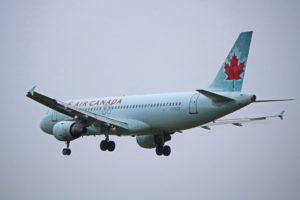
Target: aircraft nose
<point>45,125</point>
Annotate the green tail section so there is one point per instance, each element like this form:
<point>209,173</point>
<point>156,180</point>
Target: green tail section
<point>231,75</point>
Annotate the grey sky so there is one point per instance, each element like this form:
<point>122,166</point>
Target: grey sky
<point>74,49</point>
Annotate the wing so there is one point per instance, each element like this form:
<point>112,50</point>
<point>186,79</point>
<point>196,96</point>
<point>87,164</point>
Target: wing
<point>239,121</point>
<point>73,111</point>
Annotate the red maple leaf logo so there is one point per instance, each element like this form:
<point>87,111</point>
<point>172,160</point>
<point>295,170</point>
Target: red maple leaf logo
<point>234,70</point>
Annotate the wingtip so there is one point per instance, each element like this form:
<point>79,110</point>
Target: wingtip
<point>281,115</point>
<point>31,91</point>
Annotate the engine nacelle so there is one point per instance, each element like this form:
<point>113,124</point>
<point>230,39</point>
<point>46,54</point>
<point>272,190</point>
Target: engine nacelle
<point>68,130</point>
<point>146,141</point>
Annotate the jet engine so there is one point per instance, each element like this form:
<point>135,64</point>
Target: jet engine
<point>146,141</point>
<point>68,130</point>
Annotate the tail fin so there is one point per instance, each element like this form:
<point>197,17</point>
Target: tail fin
<point>231,74</point>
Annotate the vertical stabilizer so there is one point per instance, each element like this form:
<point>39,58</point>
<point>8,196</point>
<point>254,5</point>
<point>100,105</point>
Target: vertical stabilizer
<point>231,74</point>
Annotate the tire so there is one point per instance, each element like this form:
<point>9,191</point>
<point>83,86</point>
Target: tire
<point>166,150</point>
<point>111,146</point>
<point>68,152</point>
<point>159,150</point>
<point>103,145</point>
<point>64,152</point>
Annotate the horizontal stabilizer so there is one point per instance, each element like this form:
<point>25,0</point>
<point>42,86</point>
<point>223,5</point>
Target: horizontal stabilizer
<point>240,121</point>
<point>215,97</point>
<point>273,100</point>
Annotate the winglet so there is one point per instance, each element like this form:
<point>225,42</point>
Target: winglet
<point>281,115</point>
<point>31,91</point>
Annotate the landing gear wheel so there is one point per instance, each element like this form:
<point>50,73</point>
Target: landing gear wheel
<point>159,150</point>
<point>103,145</point>
<point>69,152</point>
<point>107,145</point>
<point>111,146</point>
<point>166,150</point>
<point>66,151</point>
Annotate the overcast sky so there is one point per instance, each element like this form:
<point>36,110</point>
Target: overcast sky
<point>74,49</point>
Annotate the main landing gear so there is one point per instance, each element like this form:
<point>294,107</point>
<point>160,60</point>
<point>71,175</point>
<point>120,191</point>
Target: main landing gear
<point>67,151</point>
<point>107,144</point>
<point>161,148</point>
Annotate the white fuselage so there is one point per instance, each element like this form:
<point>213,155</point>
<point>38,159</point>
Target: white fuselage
<point>152,114</point>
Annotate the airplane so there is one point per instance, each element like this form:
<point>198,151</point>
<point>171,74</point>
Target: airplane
<point>153,118</point>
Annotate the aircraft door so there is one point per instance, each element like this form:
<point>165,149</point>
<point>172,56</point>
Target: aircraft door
<point>104,110</point>
<point>193,103</point>
<point>108,109</point>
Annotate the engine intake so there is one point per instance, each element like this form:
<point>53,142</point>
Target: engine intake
<point>152,141</point>
<point>146,141</point>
